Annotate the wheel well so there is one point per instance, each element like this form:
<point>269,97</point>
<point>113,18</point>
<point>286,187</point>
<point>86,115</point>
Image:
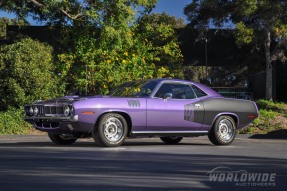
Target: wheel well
<point>234,117</point>
<point>125,115</point>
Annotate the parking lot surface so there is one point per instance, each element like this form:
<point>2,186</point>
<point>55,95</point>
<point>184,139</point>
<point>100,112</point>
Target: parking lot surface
<point>32,162</point>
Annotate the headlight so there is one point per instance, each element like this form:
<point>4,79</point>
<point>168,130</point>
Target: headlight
<point>31,111</point>
<point>35,110</point>
<point>67,110</point>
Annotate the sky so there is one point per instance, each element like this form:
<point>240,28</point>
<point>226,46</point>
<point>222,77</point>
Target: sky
<point>172,7</point>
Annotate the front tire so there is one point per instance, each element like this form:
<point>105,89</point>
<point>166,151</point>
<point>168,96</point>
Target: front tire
<point>111,130</point>
<point>223,131</point>
<point>171,140</point>
<point>60,139</point>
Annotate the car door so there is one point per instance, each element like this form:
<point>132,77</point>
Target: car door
<point>172,108</point>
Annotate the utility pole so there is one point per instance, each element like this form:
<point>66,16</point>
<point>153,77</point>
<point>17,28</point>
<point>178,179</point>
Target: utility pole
<point>206,72</point>
<point>86,88</point>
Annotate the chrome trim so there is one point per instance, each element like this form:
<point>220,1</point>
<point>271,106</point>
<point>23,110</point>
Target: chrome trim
<point>54,110</point>
<point>73,118</point>
<point>169,132</point>
<point>113,129</point>
<point>225,130</point>
<point>227,113</point>
<point>134,103</point>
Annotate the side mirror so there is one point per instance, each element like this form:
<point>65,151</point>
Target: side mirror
<point>167,96</point>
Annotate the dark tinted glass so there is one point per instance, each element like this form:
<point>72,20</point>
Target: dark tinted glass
<point>198,92</point>
<point>178,91</point>
<point>134,89</point>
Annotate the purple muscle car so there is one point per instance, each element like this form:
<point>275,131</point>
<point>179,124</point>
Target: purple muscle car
<point>170,109</point>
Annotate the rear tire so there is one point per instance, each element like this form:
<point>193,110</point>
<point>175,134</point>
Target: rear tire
<point>223,131</point>
<point>171,140</point>
<point>111,130</point>
<point>60,139</point>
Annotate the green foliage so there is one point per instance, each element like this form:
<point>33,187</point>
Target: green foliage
<point>272,116</point>
<point>117,50</point>
<point>102,44</point>
<point>158,32</point>
<point>155,20</point>
<point>5,21</point>
<point>98,66</point>
<point>11,122</point>
<point>246,7</point>
<point>53,11</point>
<point>243,34</point>
<point>195,73</point>
<point>26,73</point>
<point>119,53</point>
<point>257,23</point>
<point>269,105</point>
<point>252,18</point>
<point>76,12</point>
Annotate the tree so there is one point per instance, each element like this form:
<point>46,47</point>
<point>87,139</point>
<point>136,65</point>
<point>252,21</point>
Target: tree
<point>103,45</point>
<point>256,22</point>
<point>103,58</point>
<point>26,74</point>
<point>156,19</point>
<point>159,30</point>
<point>74,12</point>
<point>5,21</point>
<point>105,54</point>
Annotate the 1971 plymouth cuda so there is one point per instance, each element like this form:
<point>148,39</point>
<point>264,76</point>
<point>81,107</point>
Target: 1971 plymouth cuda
<point>170,109</point>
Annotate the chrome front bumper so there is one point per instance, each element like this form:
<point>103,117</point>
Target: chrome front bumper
<point>34,119</point>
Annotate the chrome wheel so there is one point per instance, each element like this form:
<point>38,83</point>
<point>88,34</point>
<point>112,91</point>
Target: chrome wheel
<point>113,129</point>
<point>225,130</point>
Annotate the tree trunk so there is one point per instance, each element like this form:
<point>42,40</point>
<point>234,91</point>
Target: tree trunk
<point>268,92</point>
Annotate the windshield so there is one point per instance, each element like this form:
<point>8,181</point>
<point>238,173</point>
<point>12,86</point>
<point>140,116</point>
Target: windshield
<point>141,88</point>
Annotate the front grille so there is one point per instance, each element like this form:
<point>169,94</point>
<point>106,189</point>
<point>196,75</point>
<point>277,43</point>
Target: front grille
<point>54,110</point>
<point>40,109</point>
<point>44,110</point>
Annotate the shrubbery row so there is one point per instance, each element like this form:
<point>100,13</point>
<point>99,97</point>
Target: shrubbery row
<point>11,122</point>
<point>26,74</point>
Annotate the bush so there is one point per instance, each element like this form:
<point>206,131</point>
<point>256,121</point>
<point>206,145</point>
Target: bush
<point>272,117</point>
<point>26,74</point>
<point>11,122</point>
<point>269,105</point>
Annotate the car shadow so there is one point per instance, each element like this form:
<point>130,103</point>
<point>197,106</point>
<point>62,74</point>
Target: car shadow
<point>132,142</point>
<point>277,134</point>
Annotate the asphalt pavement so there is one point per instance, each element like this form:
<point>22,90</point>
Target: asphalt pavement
<point>32,162</point>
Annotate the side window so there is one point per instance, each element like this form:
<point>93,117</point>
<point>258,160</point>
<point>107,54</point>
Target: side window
<point>189,93</point>
<point>178,91</point>
<point>198,92</point>
<point>163,90</point>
